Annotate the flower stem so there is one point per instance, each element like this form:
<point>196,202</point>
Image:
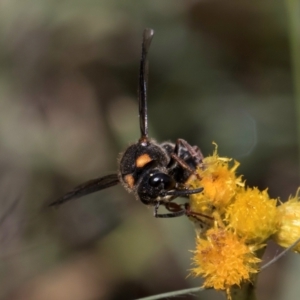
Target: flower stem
<point>174,294</point>
<point>247,289</point>
<point>244,292</point>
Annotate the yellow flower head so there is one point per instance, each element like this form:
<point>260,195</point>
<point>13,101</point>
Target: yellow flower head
<point>252,215</point>
<point>233,221</point>
<point>219,181</point>
<point>223,260</point>
<point>288,218</point>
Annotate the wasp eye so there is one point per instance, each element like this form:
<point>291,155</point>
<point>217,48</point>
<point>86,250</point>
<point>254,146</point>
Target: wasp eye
<point>163,180</point>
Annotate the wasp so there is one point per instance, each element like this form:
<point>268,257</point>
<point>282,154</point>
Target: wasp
<point>156,173</point>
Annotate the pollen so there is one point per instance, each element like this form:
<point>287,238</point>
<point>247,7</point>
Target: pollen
<point>252,215</point>
<point>223,260</point>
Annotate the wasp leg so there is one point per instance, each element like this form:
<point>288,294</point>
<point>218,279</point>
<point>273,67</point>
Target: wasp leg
<point>186,156</point>
<point>176,211</point>
<point>195,215</point>
<point>181,192</point>
<point>193,150</point>
<point>182,163</point>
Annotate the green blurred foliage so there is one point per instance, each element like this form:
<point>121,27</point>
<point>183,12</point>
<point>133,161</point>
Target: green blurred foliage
<point>218,71</point>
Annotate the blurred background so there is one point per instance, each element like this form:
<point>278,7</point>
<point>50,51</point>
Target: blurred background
<point>220,71</point>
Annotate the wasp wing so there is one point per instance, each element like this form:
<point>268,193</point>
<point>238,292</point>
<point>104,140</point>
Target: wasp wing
<point>88,187</point>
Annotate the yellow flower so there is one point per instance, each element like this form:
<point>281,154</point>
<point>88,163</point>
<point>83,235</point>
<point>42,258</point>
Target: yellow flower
<point>223,260</point>
<point>252,215</point>
<point>233,222</point>
<point>288,218</point>
<point>219,181</point>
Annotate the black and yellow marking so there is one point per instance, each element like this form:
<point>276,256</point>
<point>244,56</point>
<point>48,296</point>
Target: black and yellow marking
<point>142,160</point>
<point>129,180</point>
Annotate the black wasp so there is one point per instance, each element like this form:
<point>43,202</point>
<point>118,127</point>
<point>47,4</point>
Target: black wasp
<point>155,173</point>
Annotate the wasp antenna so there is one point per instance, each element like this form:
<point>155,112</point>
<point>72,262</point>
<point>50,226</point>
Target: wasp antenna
<point>143,83</point>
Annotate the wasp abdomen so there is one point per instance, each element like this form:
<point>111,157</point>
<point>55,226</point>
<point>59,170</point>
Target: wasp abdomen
<point>137,159</point>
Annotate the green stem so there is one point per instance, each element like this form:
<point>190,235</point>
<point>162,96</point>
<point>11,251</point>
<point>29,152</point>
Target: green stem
<point>173,294</point>
<point>244,292</point>
<point>247,289</point>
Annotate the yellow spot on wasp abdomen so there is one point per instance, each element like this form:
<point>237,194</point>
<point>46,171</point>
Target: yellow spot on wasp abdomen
<point>142,160</point>
<point>129,180</point>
